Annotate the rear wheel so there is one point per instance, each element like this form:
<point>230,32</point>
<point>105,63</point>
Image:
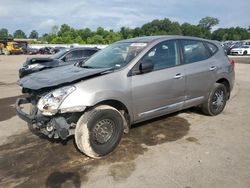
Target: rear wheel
<point>245,53</point>
<point>99,131</point>
<point>216,101</point>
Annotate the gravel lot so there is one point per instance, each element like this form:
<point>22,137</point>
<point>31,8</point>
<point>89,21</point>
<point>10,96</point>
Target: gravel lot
<point>185,149</point>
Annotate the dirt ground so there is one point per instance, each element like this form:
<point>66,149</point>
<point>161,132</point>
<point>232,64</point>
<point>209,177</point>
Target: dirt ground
<point>182,150</point>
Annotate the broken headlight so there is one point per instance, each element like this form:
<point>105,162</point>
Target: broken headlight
<point>50,102</point>
<point>36,65</point>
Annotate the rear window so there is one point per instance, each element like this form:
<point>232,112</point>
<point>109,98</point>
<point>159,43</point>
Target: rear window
<point>194,51</point>
<point>213,48</point>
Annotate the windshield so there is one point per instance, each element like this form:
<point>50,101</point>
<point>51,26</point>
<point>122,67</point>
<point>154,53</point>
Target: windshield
<point>59,54</point>
<point>115,56</point>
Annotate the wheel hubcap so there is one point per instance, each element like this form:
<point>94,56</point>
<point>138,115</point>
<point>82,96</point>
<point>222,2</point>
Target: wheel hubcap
<point>103,131</point>
<point>218,100</point>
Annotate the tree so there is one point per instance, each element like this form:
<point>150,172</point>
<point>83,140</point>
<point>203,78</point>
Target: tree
<point>69,35</point>
<point>137,32</point>
<point>208,22</point>
<point>96,39</point>
<point>220,34</point>
<point>112,37</point>
<point>191,30</point>
<point>125,32</point>
<point>54,29</point>
<point>19,34</point>
<point>85,33</point>
<point>4,32</point>
<point>33,34</point>
<point>100,31</point>
<point>160,27</point>
<point>237,33</point>
<point>64,30</point>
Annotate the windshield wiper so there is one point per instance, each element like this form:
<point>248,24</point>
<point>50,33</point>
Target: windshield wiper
<point>88,67</point>
<point>108,71</point>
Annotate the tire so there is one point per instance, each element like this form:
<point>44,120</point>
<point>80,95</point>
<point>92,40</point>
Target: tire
<point>99,131</point>
<point>216,101</point>
<point>245,53</point>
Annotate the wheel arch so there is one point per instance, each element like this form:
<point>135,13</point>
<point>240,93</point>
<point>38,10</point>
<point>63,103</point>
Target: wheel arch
<point>226,83</point>
<point>122,108</point>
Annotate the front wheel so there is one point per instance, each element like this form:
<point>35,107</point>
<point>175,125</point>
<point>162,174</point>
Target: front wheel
<point>245,53</point>
<point>99,131</point>
<point>216,101</point>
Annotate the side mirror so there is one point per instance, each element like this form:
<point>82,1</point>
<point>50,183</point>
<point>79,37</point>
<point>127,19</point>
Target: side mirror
<point>146,66</point>
<point>79,63</point>
<point>64,59</point>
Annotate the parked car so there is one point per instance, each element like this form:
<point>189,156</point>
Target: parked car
<point>236,44</point>
<point>127,82</point>
<point>31,51</point>
<point>45,50</point>
<point>57,49</point>
<point>64,57</point>
<point>243,50</point>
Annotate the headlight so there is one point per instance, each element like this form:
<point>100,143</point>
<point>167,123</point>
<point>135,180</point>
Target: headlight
<point>36,65</point>
<point>50,103</point>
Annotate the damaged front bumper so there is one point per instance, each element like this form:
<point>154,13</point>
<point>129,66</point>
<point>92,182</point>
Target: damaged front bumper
<point>52,126</point>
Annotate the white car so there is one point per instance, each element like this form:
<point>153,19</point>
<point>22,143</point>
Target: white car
<point>243,50</point>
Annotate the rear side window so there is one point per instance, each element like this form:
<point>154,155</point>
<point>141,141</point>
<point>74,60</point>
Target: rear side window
<point>87,53</point>
<point>194,51</point>
<point>213,49</point>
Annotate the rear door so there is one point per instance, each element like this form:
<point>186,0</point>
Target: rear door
<point>161,90</point>
<point>199,69</point>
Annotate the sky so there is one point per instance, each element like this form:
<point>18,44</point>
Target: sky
<point>41,15</point>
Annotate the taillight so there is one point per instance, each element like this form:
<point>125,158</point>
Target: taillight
<point>232,63</point>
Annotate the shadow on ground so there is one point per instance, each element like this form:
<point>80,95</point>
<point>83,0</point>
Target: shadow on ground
<point>7,107</point>
<point>28,161</point>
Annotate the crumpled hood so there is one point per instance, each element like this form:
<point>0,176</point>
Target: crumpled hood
<point>56,76</point>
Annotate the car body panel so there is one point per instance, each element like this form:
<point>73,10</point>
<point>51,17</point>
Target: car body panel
<point>155,90</point>
<point>145,95</point>
<point>47,78</point>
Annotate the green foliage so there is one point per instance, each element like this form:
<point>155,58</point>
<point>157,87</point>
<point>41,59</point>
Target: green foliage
<point>19,34</point>
<point>237,33</point>
<point>4,33</point>
<point>33,34</point>
<point>68,35</point>
<point>191,30</point>
<point>208,22</point>
<point>96,39</point>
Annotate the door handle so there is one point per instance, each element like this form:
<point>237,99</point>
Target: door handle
<point>213,68</point>
<point>178,76</point>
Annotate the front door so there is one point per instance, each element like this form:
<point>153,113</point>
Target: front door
<point>163,89</point>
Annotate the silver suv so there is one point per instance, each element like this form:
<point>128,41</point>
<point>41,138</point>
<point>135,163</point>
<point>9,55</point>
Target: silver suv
<point>128,82</point>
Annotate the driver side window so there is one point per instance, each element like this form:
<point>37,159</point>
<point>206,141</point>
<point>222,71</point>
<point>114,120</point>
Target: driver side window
<point>163,55</point>
<point>69,56</point>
